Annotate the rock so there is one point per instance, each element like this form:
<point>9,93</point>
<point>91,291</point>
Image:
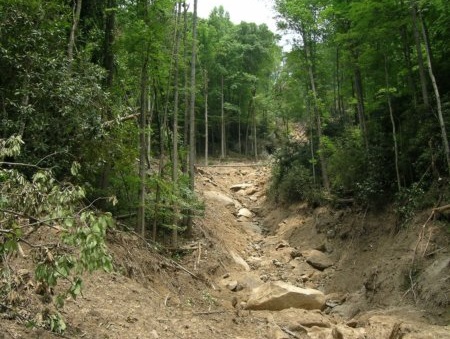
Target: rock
<point>239,187</point>
<point>232,285</point>
<point>254,262</point>
<point>220,197</point>
<point>295,253</point>
<point>238,260</point>
<point>294,318</point>
<point>250,191</point>
<point>317,259</point>
<point>275,296</point>
<point>282,244</point>
<point>244,212</point>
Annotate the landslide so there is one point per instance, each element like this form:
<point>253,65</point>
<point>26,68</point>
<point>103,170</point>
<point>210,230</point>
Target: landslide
<point>379,281</point>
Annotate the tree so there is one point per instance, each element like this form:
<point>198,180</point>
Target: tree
<point>192,144</point>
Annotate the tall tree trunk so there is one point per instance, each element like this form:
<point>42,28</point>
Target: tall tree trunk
<point>192,114</point>
<point>391,115</point>
<point>73,30</point>
<point>423,78</point>
<point>108,53</point>
<point>239,132</point>
<point>313,155</point>
<point>185,163</point>
<point>206,117</point>
<point>316,109</point>
<point>143,145</point>
<point>175,130</point>
<point>222,121</point>
<point>142,149</point>
<point>436,94</point>
<point>255,140</point>
<point>108,64</point>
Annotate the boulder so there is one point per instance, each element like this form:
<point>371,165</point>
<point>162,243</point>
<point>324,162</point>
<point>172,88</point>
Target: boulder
<point>275,296</point>
<point>245,212</point>
<point>317,259</point>
<point>220,197</point>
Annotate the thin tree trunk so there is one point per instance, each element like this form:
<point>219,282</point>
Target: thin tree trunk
<point>313,156</point>
<point>206,117</point>
<point>255,141</point>
<point>394,132</point>
<point>185,163</point>
<point>142,149</point>
<point>239,130</point>
<point>108,57</point>
<point>192,114</point>
<point>437,95</point>
<point>143,152</point>
<point>175,132</point>
<point>73,31</point>
<point>423,78</point>
<point>323,163</point>
<point>222,122</point>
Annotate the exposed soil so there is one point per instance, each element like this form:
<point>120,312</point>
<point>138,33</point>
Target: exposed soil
<point>201,293</point>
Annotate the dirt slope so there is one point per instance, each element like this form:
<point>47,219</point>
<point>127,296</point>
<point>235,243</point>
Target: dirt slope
<point>243,242</point>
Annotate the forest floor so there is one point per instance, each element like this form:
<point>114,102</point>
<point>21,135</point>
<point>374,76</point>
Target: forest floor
<point>243,242</point>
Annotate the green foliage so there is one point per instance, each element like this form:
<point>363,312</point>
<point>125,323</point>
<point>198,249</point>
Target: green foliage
<point>292,178</point>
<point>347,161</point>
<point>76,236</point>
<point>56,109</point>
<point>181,196</point>
<point>56,323</point>
<point>407,202</point>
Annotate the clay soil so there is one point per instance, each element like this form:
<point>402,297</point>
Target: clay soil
<point>383,282</point>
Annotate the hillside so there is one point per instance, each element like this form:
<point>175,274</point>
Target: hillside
<point>362,266</point>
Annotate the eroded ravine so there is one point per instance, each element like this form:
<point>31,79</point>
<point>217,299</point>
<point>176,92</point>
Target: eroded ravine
<point>242,243</point>
<point>291,250</point>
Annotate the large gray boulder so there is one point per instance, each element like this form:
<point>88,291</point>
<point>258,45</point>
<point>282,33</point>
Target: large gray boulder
<point>278,295</point>
<point>221,198</point>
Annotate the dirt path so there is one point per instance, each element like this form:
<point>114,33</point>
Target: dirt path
<point>240,244</point>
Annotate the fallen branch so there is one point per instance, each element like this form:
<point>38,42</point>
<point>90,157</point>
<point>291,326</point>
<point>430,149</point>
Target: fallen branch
<point>287,331</point>
<point>209,312</point>
<point>109,123</point>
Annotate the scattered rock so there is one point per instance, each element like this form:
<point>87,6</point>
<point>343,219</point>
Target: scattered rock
<point>295,253</point>
<point>238,187</point>
<point>277,263</point>
<point>243,219</point>
<point>282,244</point>
<point>254,262</point>
<point>238,260</point>
<point>245,213</point>
<point>275,296</point>
<point>317,259</point>
<point>232,285</point>
<point>250,191</point>
<point>300,320</point>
